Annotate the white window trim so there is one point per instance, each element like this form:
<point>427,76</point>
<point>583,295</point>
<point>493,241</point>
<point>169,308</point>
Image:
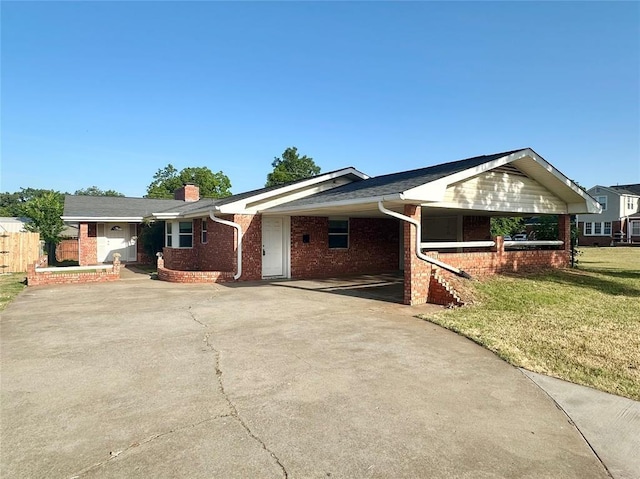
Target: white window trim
<point>175,234</point>
<point>606,201</point>
<point>347,234</point>
<point>593,228</point>
<point>204,233</point>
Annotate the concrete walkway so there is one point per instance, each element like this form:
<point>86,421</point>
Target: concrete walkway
<point>151,379</point>
<point>611,424</point>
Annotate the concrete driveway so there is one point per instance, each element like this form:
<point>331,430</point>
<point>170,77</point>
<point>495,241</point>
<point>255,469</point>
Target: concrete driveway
<point>292,379</point>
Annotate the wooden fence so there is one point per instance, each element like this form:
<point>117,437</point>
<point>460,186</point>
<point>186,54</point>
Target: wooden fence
<point>67,250</point>
<point>17,250</point>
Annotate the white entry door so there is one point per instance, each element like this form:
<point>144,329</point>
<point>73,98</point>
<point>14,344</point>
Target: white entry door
<point>117,241</point>
<point>272,247</point>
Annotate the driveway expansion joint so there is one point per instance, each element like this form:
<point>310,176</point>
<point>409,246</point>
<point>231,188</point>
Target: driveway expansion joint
<point>234,410</point>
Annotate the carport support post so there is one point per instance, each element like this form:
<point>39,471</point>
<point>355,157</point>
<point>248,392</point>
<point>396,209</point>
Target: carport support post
<point>564,234</point>
<point>417,273</point>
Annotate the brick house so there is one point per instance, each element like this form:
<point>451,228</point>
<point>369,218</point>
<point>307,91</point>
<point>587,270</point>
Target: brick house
<point>619,221</point>
<point>344,222</point>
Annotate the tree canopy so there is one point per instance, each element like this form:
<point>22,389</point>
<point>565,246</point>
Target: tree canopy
<point>506,226</point>
<point>95,191</point>
<point>291,167</point>
<point>168,179</point>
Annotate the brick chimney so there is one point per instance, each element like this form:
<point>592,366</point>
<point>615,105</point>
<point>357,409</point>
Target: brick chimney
<point>189,192</point>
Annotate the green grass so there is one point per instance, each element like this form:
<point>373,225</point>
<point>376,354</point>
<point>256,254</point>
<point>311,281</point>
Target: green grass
<point>10,286</point>
<point>581,325</point>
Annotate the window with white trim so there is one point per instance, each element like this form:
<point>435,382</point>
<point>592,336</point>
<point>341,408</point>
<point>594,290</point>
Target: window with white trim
<point>168,234</point>
<point>597,228</point>
<point>635,228</point>
<point>179,234</point>
<point>603,202</point>
<point>338,233</point>
<point>203,232</point>
<point>630,203</point>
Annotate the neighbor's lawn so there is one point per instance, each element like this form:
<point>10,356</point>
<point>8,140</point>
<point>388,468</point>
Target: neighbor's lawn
<point>582,325</point>
<point>10,285</point>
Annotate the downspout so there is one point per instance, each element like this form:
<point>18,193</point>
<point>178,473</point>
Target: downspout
<point>419,254</point>
<point>239,229</point>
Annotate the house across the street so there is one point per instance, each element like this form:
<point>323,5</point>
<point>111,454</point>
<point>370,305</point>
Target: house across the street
<point>428,223</point>
<point>619,221</point>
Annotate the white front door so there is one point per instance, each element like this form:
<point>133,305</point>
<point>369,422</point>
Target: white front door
<point>272,247</point>
<point>117,241</point>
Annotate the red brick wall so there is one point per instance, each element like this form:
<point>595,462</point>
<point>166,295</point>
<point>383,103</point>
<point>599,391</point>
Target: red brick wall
<point>218,253</point>
<point>180,259</point>
<point>251,247</point>
<point>373,247</point>
<point>417,273</point>
<point>600,240</point>
<point>88,244</point>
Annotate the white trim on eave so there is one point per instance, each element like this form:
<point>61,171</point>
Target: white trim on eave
<point>103,219</point>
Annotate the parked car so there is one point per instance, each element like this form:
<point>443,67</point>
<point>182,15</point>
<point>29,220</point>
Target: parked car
<point>520,237</point>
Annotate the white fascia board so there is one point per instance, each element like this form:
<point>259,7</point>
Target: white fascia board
<point>165,216</point>
<point>336,204</point>
<point>103,219</point>
<point>239,206</point>
<point>584,208</point>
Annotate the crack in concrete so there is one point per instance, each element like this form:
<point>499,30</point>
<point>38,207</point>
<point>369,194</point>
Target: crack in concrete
<point>232,406</point>
<point>149,439</point>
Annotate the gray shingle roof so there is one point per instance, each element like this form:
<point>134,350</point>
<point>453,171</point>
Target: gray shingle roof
<point>396,182</point>
<point>115,206</point>
<point>627,189</point>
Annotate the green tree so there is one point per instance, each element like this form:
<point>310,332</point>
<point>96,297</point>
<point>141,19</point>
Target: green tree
<point>95,191</point>
<point>45,211</point>
<point>546,228</point>
<point>10,204</point>
<point>291,167</point>
<point>506,226</point>
<point>168,179</point>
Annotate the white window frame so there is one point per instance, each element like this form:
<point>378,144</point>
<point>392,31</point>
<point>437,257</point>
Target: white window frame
<point>598,228</point>
<point>603,200</point>
<point>173,234</point>
<point>347,234</point>
<point>630,203</point>
<point>203,232</point>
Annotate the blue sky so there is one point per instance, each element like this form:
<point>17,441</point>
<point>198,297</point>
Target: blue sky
<point>106,93</point>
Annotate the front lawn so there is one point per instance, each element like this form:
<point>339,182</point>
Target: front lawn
<point>582,325</point>
<point>10,286</point>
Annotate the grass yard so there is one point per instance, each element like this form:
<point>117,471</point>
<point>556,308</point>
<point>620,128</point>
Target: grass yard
<point>582,325</point>
<point>10,286</point>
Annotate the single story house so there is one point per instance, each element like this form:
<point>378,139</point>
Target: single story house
<point>344,222</point>
<point>619,221</point>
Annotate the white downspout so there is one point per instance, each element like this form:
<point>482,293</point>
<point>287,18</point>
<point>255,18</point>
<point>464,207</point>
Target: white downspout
<point>419,254</point>
<point>239,229</point>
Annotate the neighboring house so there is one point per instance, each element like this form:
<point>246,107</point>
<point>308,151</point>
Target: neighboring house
<point>344,222</point>
<point>13,224</point>
<point>619,220</point>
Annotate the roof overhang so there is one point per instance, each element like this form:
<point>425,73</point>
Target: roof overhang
<point>103,219</point>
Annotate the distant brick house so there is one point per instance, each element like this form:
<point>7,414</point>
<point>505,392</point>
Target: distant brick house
<point>619,221</point>
<point>344,222</point>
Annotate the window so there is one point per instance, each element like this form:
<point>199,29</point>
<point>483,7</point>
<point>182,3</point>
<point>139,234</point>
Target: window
<point>185,234</point>
<point>338,233</point>
<point>630,203</point>
<point>179,234</point>
<point>588,228</point>
<point>203,235</point>
<point>603,202</point>
<point>607,227</point>
<point>597,228</point>
<point>169,241</point>
<point>635,228</point>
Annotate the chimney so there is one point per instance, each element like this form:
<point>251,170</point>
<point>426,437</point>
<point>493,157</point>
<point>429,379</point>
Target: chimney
<point>189,192</point>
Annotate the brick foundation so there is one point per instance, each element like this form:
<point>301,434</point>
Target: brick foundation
<point>175,276</point>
